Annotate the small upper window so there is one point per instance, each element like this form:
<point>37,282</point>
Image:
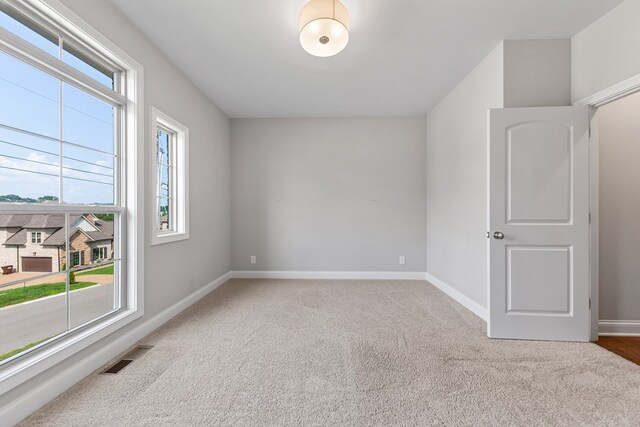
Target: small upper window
<point>171,197</point>
<point>36,237</point>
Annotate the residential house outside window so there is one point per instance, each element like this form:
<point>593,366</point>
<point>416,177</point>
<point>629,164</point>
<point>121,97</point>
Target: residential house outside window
<point>170,175</point>
<point>69,150</point>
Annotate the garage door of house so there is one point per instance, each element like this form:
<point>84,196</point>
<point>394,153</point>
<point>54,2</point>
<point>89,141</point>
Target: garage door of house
<point>42,264</point>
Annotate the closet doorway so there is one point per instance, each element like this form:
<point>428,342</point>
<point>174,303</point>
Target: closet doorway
<point>618,222</point>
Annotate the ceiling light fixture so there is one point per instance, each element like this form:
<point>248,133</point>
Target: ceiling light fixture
<point>324,27</point>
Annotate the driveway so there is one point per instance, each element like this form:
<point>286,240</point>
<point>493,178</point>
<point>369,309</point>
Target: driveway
<point>22,324</point>
<point>30,279</point>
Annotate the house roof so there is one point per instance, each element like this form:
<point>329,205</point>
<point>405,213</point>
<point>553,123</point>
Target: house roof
<point>49,221</point>
<point>19,238</point>
<point>105,233</point>
<point>35,220</point>
<point>56,239</point>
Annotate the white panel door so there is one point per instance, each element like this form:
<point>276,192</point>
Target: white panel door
<point>539,223</point>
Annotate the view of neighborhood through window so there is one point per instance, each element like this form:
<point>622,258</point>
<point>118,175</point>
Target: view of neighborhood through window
<point>170,172</point>
<point>59,203</point>
<point>165,139</point>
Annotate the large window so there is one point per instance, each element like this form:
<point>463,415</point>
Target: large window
<point>171,198</point>
<point>68,136</point>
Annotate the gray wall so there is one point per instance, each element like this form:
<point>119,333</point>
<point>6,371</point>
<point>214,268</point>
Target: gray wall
<point>619,136</point>
<point>606,52</point>
<point>518,73</point>
<point>328,194</point>
<point>457,179</point>
<point>205,256</point>
<point>537,73</point>
<point>176,270</point>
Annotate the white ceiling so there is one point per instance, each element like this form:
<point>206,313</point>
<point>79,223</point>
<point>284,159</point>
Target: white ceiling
<point>403,56</point>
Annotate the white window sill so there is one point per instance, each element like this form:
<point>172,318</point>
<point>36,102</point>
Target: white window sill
<point>30,365</point>
<point>160,239</point>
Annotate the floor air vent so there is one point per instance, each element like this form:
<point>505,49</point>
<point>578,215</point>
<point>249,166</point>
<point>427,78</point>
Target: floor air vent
<point>134,354</point>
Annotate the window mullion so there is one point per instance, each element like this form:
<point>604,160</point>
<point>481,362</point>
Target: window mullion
<point>60,132</point>
<point>10,208</point>
<point>118,172</point>
<point>66,273</point>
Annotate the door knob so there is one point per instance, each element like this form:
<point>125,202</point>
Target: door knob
<point>498,235</point>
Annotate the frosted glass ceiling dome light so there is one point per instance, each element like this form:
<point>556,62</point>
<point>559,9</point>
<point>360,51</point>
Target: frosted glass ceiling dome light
<point>324,27</point>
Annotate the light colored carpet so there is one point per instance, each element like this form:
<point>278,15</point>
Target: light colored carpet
<point>275,352</point>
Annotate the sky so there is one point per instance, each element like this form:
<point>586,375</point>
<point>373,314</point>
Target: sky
<point>30,100</point>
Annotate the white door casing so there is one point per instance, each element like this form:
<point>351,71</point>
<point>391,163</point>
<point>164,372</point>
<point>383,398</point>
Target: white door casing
<point>539,283</point>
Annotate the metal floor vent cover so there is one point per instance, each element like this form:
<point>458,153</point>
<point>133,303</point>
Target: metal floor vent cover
<point>134,354</point>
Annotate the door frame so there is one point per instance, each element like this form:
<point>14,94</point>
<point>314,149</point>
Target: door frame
<point>598,99</point>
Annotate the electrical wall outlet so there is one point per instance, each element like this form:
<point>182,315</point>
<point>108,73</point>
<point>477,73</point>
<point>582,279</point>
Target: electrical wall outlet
<point>403,260</point>
<point>253,259</point>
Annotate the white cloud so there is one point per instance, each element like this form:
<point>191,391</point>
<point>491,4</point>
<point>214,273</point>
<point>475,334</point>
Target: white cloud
<point>40,183</point>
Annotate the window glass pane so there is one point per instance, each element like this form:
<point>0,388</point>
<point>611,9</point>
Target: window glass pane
<point>81,62</point>
<point>88,176</point>
<point>86,120</point>
<point>29,168</point>
<point>164,220</point>
<point>26,325</point>
<point>40,38</point>
<point>164,181</point>
<point>92,242</point>
<point>29,165</point>
<point>29,98</point>
<point>163,146</point>
<point>33,304</point>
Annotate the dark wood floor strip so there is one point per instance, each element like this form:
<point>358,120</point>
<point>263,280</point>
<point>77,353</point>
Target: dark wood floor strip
<point>627,347</point>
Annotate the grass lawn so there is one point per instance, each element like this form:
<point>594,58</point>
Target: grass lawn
<point>107,269</point>
<point>20,350</point>
<point>29,293</point>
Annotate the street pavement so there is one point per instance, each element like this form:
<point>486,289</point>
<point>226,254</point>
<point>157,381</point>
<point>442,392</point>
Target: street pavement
<point>22,324</point>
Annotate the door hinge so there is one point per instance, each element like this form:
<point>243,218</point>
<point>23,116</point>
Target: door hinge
<point>589,217</point>
<point>589,303</point>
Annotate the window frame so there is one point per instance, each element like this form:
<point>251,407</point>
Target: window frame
<point>72,258</point>
<point>178,179</point>
<point>36,237</point>
<point>130,175</point>
<point>100,250</point>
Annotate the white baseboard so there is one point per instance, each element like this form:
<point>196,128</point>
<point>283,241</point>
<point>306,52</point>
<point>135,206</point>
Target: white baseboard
<point>344,275</point>
<point>20,408</point>
<point>619,328</point>
<point>467,302</point>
